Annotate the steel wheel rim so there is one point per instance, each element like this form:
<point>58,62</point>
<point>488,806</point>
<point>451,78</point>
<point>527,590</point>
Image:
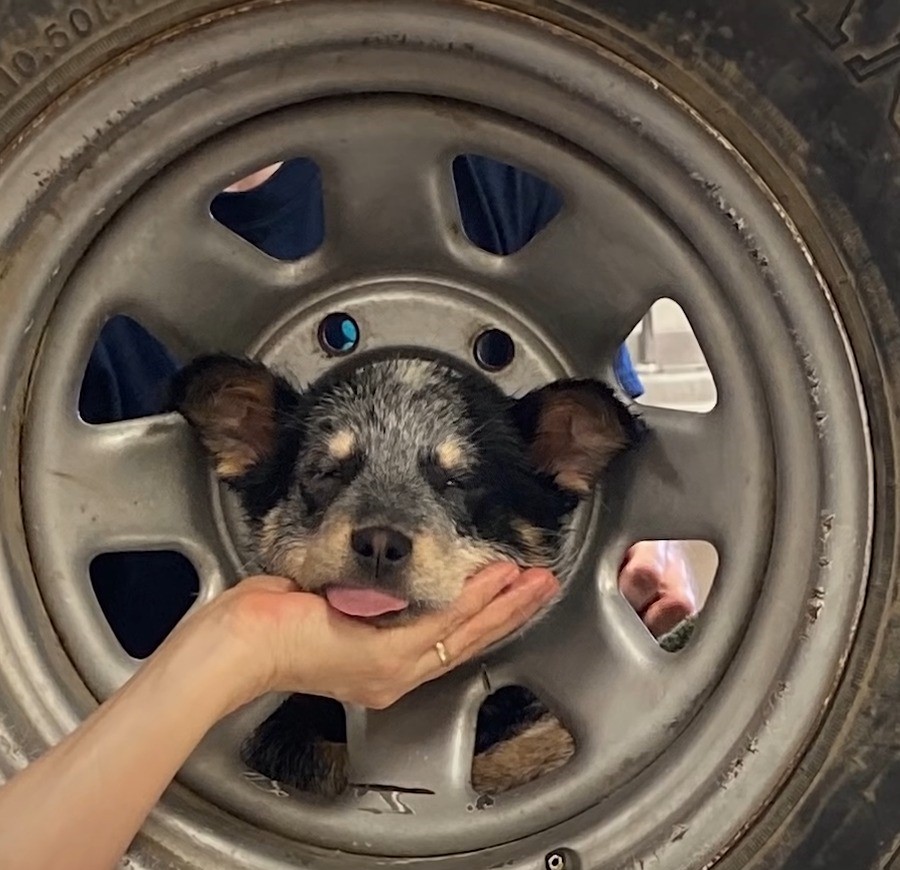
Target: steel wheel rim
<point>772,240</point>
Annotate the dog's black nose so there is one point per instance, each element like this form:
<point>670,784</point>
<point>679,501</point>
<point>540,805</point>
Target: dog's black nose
<point>381,549</point>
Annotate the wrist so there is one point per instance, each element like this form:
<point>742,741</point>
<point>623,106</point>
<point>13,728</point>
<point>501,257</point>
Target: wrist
<point>214,659</point>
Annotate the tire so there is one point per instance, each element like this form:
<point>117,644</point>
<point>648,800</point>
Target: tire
<point>809,94</point>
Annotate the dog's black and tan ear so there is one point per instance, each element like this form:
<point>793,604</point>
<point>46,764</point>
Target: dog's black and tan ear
<point>574,429</point>
<point>234,405</point>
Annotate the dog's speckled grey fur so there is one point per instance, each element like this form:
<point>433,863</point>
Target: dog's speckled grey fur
<point>432,450</point>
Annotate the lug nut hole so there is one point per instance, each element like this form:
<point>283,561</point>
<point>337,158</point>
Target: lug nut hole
<point>338,334</point>
<point>494,350</point>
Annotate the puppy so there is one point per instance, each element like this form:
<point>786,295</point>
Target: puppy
<point>382,487</point>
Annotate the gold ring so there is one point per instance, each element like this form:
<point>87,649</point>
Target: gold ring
<point>441,650</point>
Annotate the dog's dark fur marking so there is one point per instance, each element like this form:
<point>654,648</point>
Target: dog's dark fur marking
<point>434,450</point>
<point>245,416</point>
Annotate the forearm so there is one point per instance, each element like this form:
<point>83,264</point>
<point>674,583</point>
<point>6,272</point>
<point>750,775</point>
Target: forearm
<point>81,804</point>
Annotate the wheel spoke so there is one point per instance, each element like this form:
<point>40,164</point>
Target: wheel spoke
<point>583,628</point>
<point>595,291</point>
<point>128,486</point>
<point>623,697</point>
<point>691,478</point>
<point>423,744</point>
<point>191,281</point>
<point>117,487</point>
<point>389,197</point>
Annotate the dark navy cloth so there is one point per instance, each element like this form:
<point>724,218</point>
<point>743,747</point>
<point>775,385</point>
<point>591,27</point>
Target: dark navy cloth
<point>502,209</point>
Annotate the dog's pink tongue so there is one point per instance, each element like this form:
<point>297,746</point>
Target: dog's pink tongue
<point>363,602</point>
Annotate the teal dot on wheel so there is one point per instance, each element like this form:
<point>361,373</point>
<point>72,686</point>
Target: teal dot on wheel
<point>350,331</point>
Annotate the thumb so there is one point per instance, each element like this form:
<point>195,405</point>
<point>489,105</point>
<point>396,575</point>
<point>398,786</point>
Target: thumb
<point>265,583</point>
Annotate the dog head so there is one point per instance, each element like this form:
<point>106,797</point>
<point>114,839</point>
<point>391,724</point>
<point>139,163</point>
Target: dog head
<point>385,485</point>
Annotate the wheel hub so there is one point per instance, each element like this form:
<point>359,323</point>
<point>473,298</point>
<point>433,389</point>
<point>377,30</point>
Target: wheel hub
<point>434,315</point>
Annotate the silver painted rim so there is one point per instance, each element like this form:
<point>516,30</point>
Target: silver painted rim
<point>758,477</point>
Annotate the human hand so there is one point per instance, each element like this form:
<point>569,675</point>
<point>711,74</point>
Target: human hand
<point>261,635</point>
<point>295,641</point>
<point>658,583</point>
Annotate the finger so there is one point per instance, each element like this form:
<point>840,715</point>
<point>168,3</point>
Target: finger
<point>479,591</point>
<point>641,584</point>
<point>666,614</point>
<point>630,554</point>
<point>505,613</point>
<point>268,583</point>
<point>651,555</point>
<point>416,644</point>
